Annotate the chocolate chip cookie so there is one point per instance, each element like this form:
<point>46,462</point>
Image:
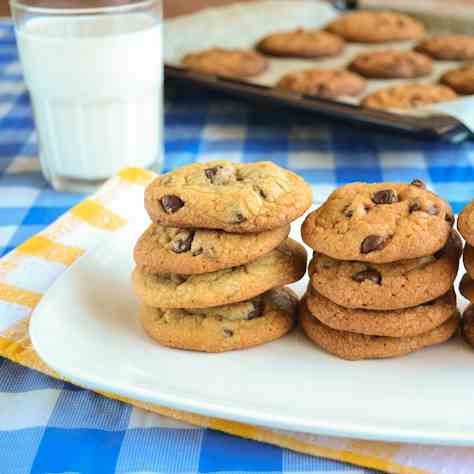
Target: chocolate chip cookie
<point>398,323</point>
<point>229,196</point>
<point>283,265</point>
<point>379,223</point>
<point>301,43</point>
<point>223,328</point>
<point>460,79</point>
<point>174,250</point>
<point>448,47</point>
<point>376,27</point>
<point>468,324</point>
<point>408,96</point>
<point>466,287</point>
<point>468,259</point>
<point>391,64</point>
<point>326,83</point>
<point>387,286</point>
<point>351,346</point>
<point>466,223</point>
<point>238,63</point>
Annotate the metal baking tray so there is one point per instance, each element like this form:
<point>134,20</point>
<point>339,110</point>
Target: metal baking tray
<point>431,126</point>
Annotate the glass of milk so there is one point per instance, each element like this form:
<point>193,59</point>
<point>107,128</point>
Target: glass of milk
<point>94,70</point>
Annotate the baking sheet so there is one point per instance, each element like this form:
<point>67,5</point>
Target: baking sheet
<point>242,25</point>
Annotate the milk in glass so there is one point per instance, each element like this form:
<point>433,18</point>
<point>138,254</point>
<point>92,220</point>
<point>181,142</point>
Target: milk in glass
<point>96,89</point>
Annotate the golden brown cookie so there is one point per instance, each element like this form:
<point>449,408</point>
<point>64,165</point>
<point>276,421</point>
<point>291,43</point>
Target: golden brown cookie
<point>468,259</point>
<point>376,27</point>
<point>237,63</point>
<point>468,324</point>
<point>224,328</point>
<point>466,287</point>
<point>326,83</point>
<point>398,323</point>
<point>460,79</point>
<point>448,47</point>
<point>301,43</point>
<point>408,96</point>
<point>284,265</point>
<point>390,64</point>
<point>174,250</point>
<point>466,223</point>
<point>351,346</point>
<point>386,286</point>
<point>229,196</point>
<point>379,223</point>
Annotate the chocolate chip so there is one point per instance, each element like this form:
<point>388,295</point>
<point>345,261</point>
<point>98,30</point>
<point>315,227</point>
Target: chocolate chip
<point>262,193</point>
<point>372,243</point>
<point>369,274</point>
<point>171,203</point>
<point>414,205</point>
<point>418,183</point>
<point>385,196</point>
<point>228,333</point>
<point>449,218</point>
<point>348,212</point>
<point>433,210</point>
<point>256,310</point>
<point>212,172</point>
<point>239,218</point>
<point>182,242</point>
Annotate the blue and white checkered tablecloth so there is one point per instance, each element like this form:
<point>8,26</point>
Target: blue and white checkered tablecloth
<point>52,426</point>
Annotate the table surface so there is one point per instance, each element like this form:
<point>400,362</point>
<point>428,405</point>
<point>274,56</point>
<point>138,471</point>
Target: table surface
<point>51,426</point>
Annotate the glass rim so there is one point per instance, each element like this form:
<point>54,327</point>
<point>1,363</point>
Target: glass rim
<point>82,10</point>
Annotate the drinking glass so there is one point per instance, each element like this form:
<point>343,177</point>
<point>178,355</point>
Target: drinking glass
<point>94,70</point>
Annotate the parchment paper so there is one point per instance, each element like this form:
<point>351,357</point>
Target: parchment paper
<point>242,25</point>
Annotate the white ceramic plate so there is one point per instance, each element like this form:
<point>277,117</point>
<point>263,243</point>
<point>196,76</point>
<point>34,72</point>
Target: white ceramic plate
<point>86,328</point>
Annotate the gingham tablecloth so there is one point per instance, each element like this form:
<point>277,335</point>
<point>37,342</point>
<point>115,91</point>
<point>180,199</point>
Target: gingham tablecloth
<point>52,426</point>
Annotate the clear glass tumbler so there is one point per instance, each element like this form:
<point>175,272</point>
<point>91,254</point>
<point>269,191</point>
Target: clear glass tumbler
<point>95,76</point>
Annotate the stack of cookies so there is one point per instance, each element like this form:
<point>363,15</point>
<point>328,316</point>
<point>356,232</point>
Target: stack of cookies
<point>382,273</point>
<point>466,228</point>
<point>212,266</point>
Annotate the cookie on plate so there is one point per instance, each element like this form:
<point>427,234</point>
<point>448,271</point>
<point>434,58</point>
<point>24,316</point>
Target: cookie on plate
<point>461,79</point>
<point>174,250</point>
<point>301,43</point>
<point>448,47</point>
<point>387,286</point>
<point>468,324</point>
<point>466,287</point>
<point>466,223</point>
<point>397,323</point>
<point>468,259</point>
<point>408,96</point>
<point>326,83</point>
<point>282,266</point>
<point>223,328</point>
<point>390,64</point>
<point>379,223</point>
<point>376,27</point>
<point>229,196</point>
<point>351,346</point>
<point>238,63</point>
